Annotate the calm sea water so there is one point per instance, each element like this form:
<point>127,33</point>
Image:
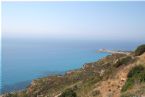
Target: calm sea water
<point>23,61</point>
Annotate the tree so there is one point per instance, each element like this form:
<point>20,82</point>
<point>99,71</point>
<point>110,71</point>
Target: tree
<point>68,93</point>
<point>140,50</point>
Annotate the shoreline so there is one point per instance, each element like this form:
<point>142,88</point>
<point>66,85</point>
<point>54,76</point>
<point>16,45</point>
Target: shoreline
<point>113,51</point>
<point>17,85</point>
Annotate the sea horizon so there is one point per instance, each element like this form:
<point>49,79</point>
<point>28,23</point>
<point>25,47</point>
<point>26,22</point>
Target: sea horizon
<point>41,39</point>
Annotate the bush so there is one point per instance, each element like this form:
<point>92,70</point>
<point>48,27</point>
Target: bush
<point>136,75</point>
<point>68,93</point>
<point>135,71</point>
<point>10,95</point>
<point>135,93</point>
<point>128,85</point>
<point>129,95</point>
<point>140,50</point>
<point>96,93</point>
<point>124,60</point>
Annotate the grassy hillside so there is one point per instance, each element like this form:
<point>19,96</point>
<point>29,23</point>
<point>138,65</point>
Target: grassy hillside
<point>117,75</point>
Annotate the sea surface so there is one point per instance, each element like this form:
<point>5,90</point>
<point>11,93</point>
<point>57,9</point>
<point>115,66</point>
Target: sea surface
<point>25,60</point>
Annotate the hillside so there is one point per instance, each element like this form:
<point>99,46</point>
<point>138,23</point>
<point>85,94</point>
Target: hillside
<point>117,75</point>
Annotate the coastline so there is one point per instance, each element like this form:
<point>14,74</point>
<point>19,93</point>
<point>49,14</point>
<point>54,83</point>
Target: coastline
<point>17,85</point>
<point>108,73</point>
<point>73,70</point>
<point>20,86</point>
<point>113,51</point>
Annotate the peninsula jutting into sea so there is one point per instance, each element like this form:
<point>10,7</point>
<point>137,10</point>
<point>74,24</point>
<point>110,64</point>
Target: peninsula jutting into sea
<point>117,74</point>
<point>72,49</point>
<point>113,51</point>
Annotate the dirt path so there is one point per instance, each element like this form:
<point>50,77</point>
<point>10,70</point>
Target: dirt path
<point>112,87</point>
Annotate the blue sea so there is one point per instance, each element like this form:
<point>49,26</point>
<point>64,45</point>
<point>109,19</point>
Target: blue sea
<point>25,60</point>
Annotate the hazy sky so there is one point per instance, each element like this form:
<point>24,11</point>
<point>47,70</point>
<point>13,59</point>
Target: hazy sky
<point>74,20</point>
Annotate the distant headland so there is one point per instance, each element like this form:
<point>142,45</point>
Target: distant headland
<point>113,51</point>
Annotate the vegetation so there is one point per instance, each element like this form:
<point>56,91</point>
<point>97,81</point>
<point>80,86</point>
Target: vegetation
<point>140,50</point>
<point>135,76</point>
<point>137,92</point>
<point>122,61</point>
<point>11,95</point>
<point>95,93</point>
<point>68,93</point>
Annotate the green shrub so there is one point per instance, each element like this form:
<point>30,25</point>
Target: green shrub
<point>128,85</point>
<point>96,93</point>
<point>10,95</point>
<point>129,95</point>
<point>136,75</point>
<point>140,50</point>
<point>124,60</point>
<point>135,71</point>
<point>135,93</point>
<point>68,93</point>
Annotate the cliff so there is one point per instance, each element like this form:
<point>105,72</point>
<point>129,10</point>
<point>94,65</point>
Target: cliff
<point>117,75</point>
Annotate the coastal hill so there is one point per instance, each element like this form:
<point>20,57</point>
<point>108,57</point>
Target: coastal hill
<point>117,75</point>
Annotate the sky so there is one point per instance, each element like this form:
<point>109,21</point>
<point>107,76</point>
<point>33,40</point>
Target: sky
<point>74,20</point>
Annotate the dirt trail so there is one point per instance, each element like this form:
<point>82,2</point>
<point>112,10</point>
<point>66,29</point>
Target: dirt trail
<point>112,87</point>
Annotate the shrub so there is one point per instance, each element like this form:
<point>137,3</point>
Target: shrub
<point>124,60</point>
<point>95,93</point>
<point>136,74</point>
<point>135,93</point>
<point>129,95</point>
<point>10,95</point>
<point>128,85</point>
<point>135,71</point>
<point>140,50</point>
<point>68,93</point>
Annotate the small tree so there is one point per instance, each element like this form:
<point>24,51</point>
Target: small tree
<point>68,93</point>
<point>140,50</point>
<point>135,76</point>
